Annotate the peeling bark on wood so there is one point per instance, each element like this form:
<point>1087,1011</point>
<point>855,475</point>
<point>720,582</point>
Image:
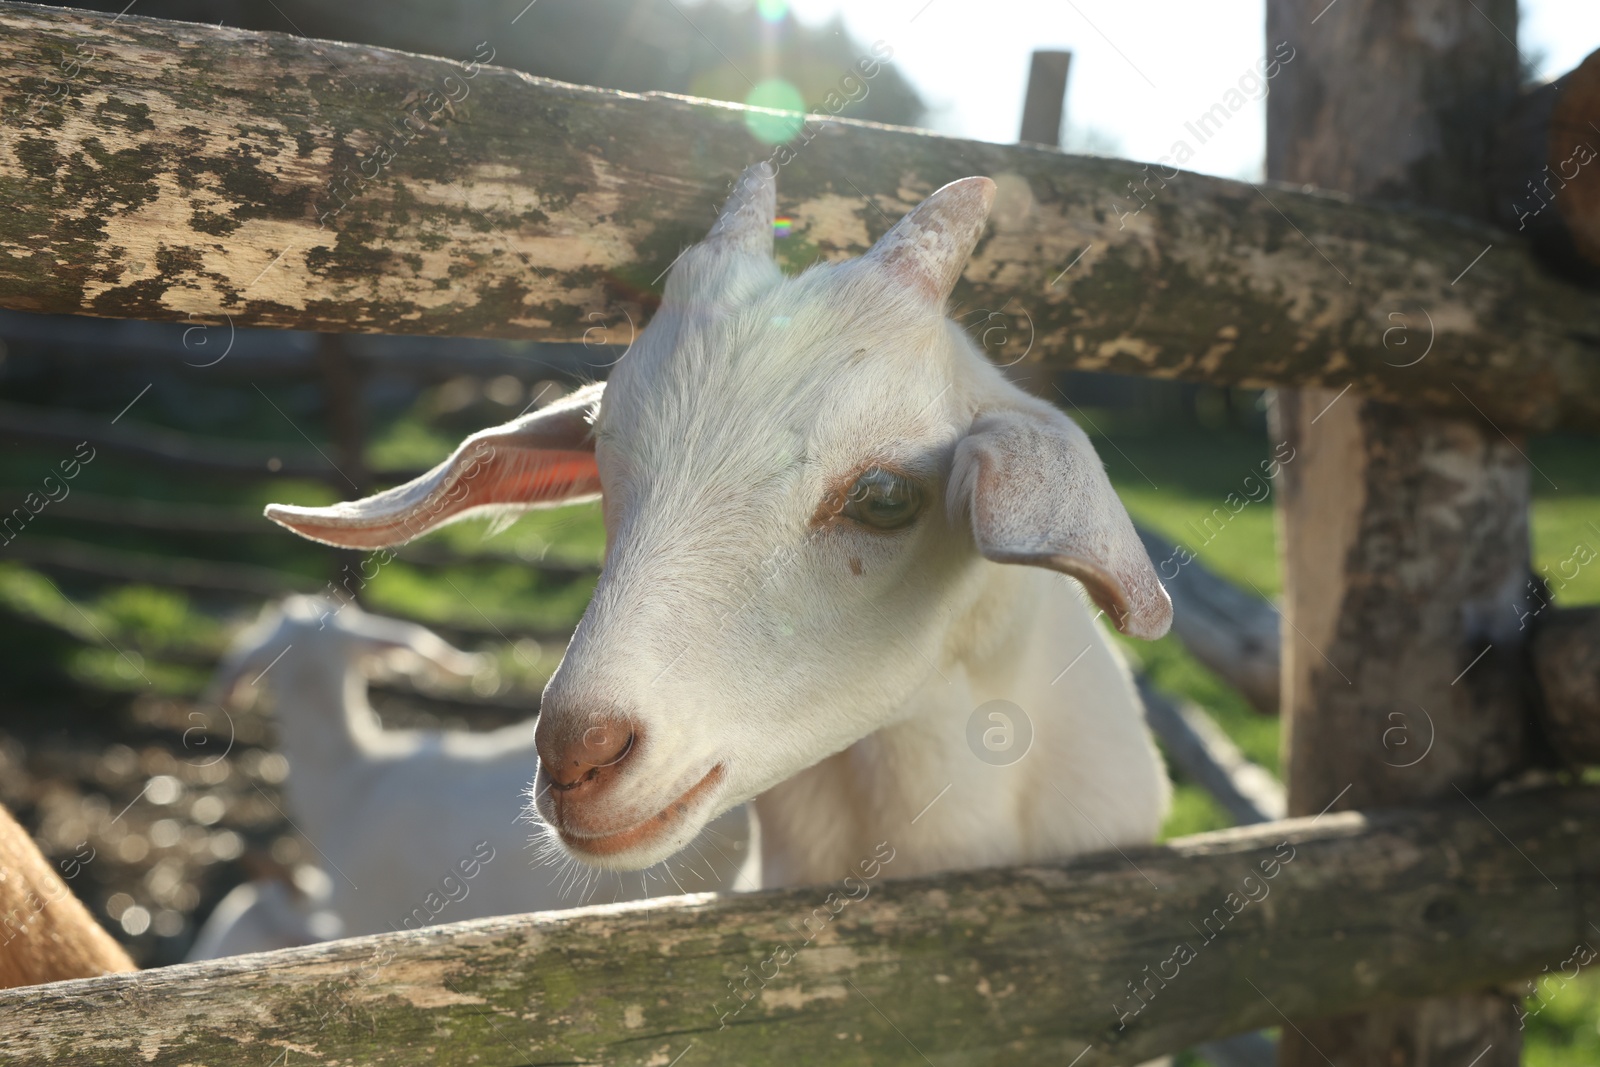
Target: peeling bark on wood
<point>194,172</point>
<point>984,967</point>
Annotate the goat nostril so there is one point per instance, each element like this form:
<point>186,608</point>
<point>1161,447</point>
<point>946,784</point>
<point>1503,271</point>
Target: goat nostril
<point>601,746</point>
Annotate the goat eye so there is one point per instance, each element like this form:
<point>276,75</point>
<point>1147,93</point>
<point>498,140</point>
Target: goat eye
<point>883,499</point>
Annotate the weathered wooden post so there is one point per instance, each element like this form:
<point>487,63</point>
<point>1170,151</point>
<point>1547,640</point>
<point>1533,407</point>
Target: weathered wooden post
<point>1406,535</point>
<point>347,424</point>
<point>1044,102</point>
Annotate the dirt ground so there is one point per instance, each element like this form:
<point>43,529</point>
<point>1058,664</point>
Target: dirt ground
<point>175,802</point>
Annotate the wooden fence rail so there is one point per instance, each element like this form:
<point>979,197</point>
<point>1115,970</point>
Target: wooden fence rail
<point>171,171</point>
<point>1112,957</point>
<point>241,354</point>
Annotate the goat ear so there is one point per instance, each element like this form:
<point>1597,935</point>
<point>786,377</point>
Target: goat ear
<point>543,458</point>
<point>927,249</point>
<point>247,656</point>
<point>412,649</point>
<point>1039,495</point>
<point>745,223</point>
<point>411,661</point>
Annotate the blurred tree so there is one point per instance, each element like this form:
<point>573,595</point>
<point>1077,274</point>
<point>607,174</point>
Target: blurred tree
<point>708,49</point>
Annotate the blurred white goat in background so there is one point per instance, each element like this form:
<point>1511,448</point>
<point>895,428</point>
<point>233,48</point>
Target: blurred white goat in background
<point>413,826</point>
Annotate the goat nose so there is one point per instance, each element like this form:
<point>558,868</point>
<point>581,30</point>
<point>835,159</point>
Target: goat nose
<point>595,754</point>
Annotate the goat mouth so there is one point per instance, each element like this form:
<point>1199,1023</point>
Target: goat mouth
<point>647,831</point>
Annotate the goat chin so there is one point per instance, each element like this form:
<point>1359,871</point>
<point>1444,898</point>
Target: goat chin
<point>633,844</point>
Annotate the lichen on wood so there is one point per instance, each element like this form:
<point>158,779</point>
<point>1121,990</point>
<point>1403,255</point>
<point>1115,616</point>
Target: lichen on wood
<point>173,171</point>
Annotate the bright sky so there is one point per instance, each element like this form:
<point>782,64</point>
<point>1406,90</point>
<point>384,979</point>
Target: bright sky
<point>1139,70</point>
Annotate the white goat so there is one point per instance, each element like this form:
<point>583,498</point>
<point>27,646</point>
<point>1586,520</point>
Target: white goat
<point>414,826</point>
<point>814,491</point>
<point>270,913</point>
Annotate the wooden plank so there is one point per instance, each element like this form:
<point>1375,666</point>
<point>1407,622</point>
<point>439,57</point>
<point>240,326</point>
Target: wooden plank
<point>238,353</point>
<point>1405,532</point>
<point>1025,966</point>
<point>186,171</point>
<point>1231,630</point>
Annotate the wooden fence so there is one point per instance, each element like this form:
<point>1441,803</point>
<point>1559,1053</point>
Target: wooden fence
<point>197,161</point>
<point>1035,965</point>
<point>207,175</point>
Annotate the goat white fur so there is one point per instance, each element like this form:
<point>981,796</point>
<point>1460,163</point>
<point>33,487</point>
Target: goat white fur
<point>415,826</point>
<point>770,623</point>
<point>269,913</point>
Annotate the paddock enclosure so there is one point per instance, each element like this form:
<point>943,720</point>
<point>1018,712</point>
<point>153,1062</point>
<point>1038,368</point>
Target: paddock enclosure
<point>230,179</point>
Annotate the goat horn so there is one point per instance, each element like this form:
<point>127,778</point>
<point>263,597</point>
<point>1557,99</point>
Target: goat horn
<point>745,222</point>
<point>928,248</point>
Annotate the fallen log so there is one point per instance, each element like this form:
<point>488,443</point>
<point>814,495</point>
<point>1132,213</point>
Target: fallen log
<point>1231,630</point>
<point>1021,966</point>
<point>208,174</point>
<point>1247,791</point>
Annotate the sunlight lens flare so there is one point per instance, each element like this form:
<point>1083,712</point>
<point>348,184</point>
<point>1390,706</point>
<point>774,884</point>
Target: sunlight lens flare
<point>780,96</point>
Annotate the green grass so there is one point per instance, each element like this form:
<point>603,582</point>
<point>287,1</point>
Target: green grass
<point>1177,482</point>
<point>1566,517</point>
<point>571,534</point>
<point>502,595</point>
<point>1563,1022</point>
